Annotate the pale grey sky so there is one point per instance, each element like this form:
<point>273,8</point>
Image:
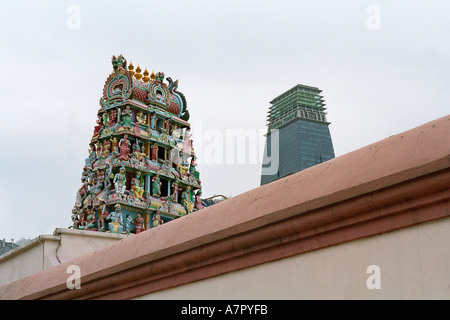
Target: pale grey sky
<point>383,67</point>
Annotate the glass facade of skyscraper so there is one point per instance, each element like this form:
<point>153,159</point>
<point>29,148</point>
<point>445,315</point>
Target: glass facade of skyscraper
<point>303,138</point>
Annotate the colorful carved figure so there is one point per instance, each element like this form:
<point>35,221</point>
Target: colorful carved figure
<point>156,185</point>
<point>153,120</point>
<point>187,201</point>
<point>126,118</point>
<point>136,183</point>
<point>112,118</point>
<point>102,214</point>
<point>128,222</point>
<point>124,147</point>
<point>137,152</point>
<point>120,180</point>
<point>141,118</point>
<point>88,220</point>
<point>154,152</point>
<point>116,224</point>
<point>175,190</point>
<point>99,126</point>
<point>114,145</point>
<point>157,220</point>
<point>139,224</point>
<point>198,200</point>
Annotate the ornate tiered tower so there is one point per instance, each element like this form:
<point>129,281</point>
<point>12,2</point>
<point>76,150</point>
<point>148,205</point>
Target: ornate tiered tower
<point>141,166</point>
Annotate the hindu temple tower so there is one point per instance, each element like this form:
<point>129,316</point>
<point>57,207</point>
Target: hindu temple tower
<point>298,135</point>
<point>141,168</point>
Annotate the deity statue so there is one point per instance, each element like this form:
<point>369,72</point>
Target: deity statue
<point>98,127</point>
<point>167,125</point>
<point>114,145</point>
<point>106,149</point>
<point>92,156</point>
<point>119,181</point>
<point>153,120</point>
<point>136,129</point>
<point>88,221</point>
<point>112,118</point>
<point>154,152</point>
<point>198,200</point>
<point>141,117</point>
<point>136,186</point>
<point>102,214</point>
<point>127,224</point>
<point>139,224</point>
<point>126,118</point>
<point>156,185</point>
<point>116,224</point>
<point>175,190</point>
<point>124,147</point>
<point>137,154</point>
<point>157,220</point>
<point>186,200</point>
<point>193,170</point>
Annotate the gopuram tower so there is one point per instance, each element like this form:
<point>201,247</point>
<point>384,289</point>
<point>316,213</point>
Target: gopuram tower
<point>140,171</point>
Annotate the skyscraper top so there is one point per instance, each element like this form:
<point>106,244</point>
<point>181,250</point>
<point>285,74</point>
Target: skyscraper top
<point>300,101</point>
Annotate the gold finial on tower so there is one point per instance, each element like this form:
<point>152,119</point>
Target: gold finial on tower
<point>146,79</point>
<point>131,69</point>
<point>152,76</point>
<point>138,74</point>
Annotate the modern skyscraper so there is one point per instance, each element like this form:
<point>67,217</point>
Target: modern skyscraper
<point>298,136</point>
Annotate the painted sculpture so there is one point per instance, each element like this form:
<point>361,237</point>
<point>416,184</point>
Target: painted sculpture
<point>140,171</point>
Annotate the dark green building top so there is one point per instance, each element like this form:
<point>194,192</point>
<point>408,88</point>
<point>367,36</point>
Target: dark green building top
<point>300,101</point>
<point>298,136</point>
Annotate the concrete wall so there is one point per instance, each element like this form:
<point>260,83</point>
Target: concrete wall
<point>413,264</point>
<point>27,259</point>
<point>47,251</point>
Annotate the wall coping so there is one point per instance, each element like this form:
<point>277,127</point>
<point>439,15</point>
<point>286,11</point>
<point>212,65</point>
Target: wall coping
<point>28,245</point>
<point>395,183</point>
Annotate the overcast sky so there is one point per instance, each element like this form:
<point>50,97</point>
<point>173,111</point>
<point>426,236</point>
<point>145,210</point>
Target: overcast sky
<point>383,67</point>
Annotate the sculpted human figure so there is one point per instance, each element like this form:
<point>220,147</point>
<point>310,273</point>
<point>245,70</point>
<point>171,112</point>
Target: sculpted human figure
<point>139,224</point>
<point>126,118</point>
<point>99,125</point>
<point>156,185</point>
<point>137,186</point>
<point>116,224</point>
<point>153,120</point>
<point>88,221</point>
<point>112,117</point>
<point>175,190</point>
<point>141,117</point>
<point>154,152</point>
<point>198,200</point>
<point>127,224</point>
<point>124,147</point>
<point>157,220</point>
<point>186,200</point>
<point>102,214</point>
<point>114,145</point>
<point>119,181</point>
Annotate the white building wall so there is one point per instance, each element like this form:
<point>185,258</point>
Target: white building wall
<point>47,251</point>
<point>413,264</point>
